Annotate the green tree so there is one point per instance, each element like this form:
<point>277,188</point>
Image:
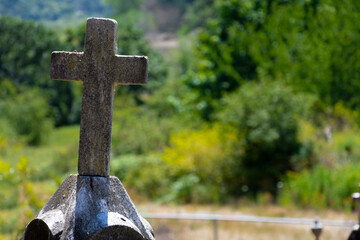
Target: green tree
<point>25,49</point>
<point>222,51</point>
<point>196,13</point>
<point>310,45</point>
<point>266,118</point>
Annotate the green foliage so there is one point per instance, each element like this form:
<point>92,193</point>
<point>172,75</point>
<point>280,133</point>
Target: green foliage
<point>27,113</point>
<point>300,42</point>
<point>35,9</point>
<point>182,5</point>
<point>321,187</point>
<point>192,169</point>
<point>293,41</point>
<point>146,173</point>
<point>329,171</point>
<point>331,144</point>
<point>60,151</point>
<point>138,131</point>
<point>8,88</point>
<point>64,162</point>
<point>22,197</point>
<point>142,130</point>
<point>265,117</point>
<point>245,72</point>
<point>222,52</point>
<point>50,9</point>
<point>123,6</point>
<point>202,157</point>
<point>183,190</point>
<point>189,189</point>
<point>196,13</point>
<point>25,49</point>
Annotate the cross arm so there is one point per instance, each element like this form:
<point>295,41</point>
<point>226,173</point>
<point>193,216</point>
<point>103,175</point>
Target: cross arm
<point>128,70</point>
<point>67,66</point>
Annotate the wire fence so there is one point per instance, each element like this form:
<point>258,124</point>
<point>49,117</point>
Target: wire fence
<point>215,218</point>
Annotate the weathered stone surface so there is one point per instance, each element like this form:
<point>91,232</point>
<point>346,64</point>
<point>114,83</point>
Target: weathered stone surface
<point>100,69</point>
<point>38,229</point>
<point>88,207</point>
<point>47,226</point>
<point>355,233</point>
<point>118,232</point>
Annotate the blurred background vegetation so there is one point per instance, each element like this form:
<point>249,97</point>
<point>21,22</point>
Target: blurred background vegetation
<point>256,100</point>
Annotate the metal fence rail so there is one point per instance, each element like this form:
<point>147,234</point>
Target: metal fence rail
<point>245,218</point>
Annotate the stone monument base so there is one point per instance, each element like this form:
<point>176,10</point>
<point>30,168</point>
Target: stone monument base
<point>89,207</point>
<point>355,233</point>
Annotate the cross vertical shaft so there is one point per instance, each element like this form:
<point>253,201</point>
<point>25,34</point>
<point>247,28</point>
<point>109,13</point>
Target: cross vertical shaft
<point>100,69</point>
<point>97,98</point>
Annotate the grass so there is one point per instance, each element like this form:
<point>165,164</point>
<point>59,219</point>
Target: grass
<point>57,141</point>
<point>64,136</point>
<point>58,155</point>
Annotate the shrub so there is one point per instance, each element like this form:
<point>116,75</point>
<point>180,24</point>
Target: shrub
<point>194,168</point>
<point>146,174</point>
<point>265,117</point>
<point>141,130</point>
<point>200,161</point>
<point>23,197</point>
<point>321,187</point>
<point>136,131</point>
<point>188,188</point>
<point>331,139</point>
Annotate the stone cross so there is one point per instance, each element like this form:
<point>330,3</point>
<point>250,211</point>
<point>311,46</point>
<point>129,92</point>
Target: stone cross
<point>100,69</point>
<point>92,205</point>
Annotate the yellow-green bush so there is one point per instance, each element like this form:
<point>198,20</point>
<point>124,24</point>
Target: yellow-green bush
<point>194,167</point>
<point>21,201</point>
<point>200,160</point>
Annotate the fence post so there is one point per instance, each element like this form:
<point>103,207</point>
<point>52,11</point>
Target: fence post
<point>215,224</point>
<point>317,229</point>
